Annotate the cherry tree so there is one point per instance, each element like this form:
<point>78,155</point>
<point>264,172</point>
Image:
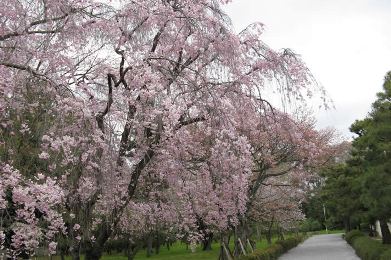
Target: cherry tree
<point>278,205</point>
<point>29,212</point>
<point>134,85</point>
<point>286,151</point>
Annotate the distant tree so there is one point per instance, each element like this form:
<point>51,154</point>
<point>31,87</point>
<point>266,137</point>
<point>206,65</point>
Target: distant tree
<point>340,193</point>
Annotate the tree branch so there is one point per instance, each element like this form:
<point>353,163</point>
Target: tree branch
<point>183,122</point>
<point>100,116</point>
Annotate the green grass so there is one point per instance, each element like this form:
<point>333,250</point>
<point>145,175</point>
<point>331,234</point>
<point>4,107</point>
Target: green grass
<point>177,251</point>
<point>323,232</point>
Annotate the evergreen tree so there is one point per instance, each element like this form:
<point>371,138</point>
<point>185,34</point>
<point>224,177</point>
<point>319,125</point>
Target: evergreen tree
<point>373,150</point>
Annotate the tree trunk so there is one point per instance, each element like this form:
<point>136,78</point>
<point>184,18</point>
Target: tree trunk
<point>269,233</point>
<point>259,234</point>
<point>347,224</point>
<point>242,233</point>
<point>149,245</point>
<point>385,231</point>
<point>280,233</point>
<point>371,231</point>
<point>131,251</point>
<point>207,242</point>
<point>225,253</point>
<point>94,250</point>
<point>236,251</point>
<point>75,255</point>
<point>157,245</point>
<point>269,237</point>
<point>75,251</point>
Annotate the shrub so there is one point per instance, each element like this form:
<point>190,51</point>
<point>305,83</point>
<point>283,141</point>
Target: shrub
<point>386,255</point>
<point>274,251</point>
<point>352,235</point>
<point>290,243</point>
<point>270,253</point>
<point>368,249</point>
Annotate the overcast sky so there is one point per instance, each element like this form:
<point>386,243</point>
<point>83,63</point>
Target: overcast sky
<point>346,44</point>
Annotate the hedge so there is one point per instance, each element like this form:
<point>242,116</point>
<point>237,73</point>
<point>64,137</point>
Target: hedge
<point>275,250</point>
<point>352,235</point>
<point>290,243</point>
<point>367,248</point>
<point>386,255</point>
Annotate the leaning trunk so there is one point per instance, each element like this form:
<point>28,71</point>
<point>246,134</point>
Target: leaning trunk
<point>225,253</point>
<point>385,231</point>
<point>242,238</point>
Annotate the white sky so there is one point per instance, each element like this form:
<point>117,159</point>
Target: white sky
<point>345,43</point>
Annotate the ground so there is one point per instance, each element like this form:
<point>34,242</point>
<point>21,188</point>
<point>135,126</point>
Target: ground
<point>322,247</point>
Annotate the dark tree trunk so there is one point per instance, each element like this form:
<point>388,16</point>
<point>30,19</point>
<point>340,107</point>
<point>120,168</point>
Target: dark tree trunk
<point>225,253</point>
<point>207,242</point>
<point>75,251</point>
<point>371,231</point>
<point>131,251</point>
<point>94,250</point>
<point>269,233</point>
<point>242,235</point>
<point>385,231</point>
<point>149,246</point>
<point>269,237</point>
<point>347,225</point>
<point>236,251</point>
<point>75,255</point>
<point>157,245</point>
<point>259,234</point>
<point>280,234</point>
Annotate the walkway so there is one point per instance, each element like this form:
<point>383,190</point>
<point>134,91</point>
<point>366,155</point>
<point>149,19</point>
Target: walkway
<point>322,247</point>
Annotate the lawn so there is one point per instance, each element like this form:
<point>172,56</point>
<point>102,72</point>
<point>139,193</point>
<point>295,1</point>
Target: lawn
<point>323,232</point>
<point>177,251</point>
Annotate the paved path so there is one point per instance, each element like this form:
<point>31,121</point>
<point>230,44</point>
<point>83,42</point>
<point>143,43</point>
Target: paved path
<point>322,247</point>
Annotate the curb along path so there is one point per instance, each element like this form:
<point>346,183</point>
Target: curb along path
<point>322,247</point>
